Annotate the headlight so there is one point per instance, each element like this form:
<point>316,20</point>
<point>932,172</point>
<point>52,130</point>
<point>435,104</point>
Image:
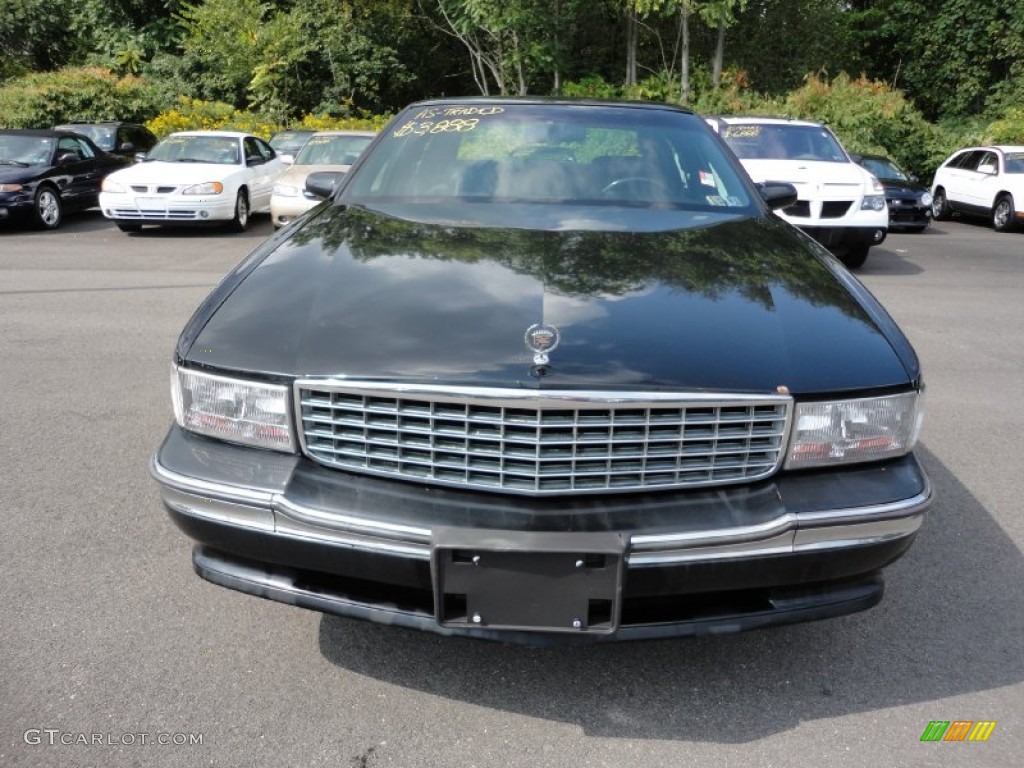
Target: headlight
<point>231,409</point>
<point>286,190</point>
<point>209,188</point>
<point>111,186</point>
<point>926,198</point>
<point>10,187</point>
<point>849,431</point>
<point>873,203</point>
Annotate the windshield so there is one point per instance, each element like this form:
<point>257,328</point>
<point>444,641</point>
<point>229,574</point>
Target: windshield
<point>25,150</point>
<point>477,159</point>
<point>771,141</point>
<point>177,148</point>
<point>884,169</point>
<point>332,150</point>
<point>103,136</point>
<point>289,141</point>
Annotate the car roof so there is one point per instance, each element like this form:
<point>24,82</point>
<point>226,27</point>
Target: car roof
<point>100,122</point>
<point>762,120</point>
<point>998,147</point>
<point>341,132</point>
<point>555,101</point>
<point>50,132</point>
<point>222,134</point>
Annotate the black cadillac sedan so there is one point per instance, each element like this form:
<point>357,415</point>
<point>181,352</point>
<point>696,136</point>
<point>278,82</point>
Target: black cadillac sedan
<point>546,371</point>
<point>47,173</point>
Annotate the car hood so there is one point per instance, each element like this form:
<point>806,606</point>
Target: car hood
<point>803,174</point>
<point>157,171</point>
<point>747,305</point>
<point>14,174</point>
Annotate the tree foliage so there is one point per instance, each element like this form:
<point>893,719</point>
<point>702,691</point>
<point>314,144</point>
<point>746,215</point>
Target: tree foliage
<point>959,62</point>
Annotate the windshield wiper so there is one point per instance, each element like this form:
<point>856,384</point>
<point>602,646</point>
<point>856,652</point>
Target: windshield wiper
<point>14,162</point>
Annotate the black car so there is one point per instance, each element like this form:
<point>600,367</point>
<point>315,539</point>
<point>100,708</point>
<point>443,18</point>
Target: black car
<point>46,173</point>
<point>909,201</point>
<point>115,137</point>
<point>546,370</point>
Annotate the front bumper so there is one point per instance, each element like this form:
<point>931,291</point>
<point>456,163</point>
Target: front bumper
<point>796,547</point>
<point>908,213</point>
<point>840,240</point>
<point>167,209</point>
<point>15,205</point>
<point>286,209</point>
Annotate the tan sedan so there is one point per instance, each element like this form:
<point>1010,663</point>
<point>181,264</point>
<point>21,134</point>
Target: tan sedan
<point>324,151</point>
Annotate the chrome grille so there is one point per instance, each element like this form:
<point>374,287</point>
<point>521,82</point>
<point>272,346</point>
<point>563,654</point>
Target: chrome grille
<point>542,442</point>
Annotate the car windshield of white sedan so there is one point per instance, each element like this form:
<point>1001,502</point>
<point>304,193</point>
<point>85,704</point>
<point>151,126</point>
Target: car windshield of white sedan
<point>219,150</point>
<point>25,150</point>
<point>1015,162</point>
<point>768,141</point>
<point>496,160</point>
<point>332,150</point>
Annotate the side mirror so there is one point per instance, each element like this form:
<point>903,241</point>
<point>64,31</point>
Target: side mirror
<point>913,177</point>
<point>127,147</point>
<point>858,159</point>
<point>322,184</point>
<point>988,169</point>
<point>286,157</point>
<point>141,157</point>
<point>777,194</point>
<point>66,158</point>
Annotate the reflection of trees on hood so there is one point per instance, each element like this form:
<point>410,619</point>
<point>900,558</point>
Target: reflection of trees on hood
<point>748,257</point>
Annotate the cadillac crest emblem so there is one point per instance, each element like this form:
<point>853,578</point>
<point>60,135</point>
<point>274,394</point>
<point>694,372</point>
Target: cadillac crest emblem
<point>541,339</point>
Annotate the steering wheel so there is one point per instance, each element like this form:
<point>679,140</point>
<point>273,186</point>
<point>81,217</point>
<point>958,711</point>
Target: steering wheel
<point>653,184</point>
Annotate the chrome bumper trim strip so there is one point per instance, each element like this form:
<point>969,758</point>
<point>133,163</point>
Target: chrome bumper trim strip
<point>788,533</point>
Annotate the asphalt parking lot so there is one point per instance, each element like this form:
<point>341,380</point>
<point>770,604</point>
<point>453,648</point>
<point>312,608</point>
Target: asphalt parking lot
<point>111,645</point>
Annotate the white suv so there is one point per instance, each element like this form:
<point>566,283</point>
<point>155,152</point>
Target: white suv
<point>983,181</point>
<point>839,203</point>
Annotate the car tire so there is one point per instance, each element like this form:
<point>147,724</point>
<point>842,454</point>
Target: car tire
<point>856,256</point>
<point>129,227</point>
<point>1002,214</point>
<point>46,210</point>
<point>241,220</point>
<point>940,205</point>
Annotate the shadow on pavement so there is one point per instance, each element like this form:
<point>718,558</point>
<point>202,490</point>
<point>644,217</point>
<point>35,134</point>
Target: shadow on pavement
<point>950,624</point>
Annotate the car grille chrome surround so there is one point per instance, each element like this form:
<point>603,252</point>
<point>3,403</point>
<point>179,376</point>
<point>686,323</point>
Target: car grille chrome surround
<point>542,442</point>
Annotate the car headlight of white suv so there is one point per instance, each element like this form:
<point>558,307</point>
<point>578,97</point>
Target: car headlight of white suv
<point>875,199</point>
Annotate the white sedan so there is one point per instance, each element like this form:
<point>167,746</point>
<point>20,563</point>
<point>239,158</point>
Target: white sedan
<point>194,177</point>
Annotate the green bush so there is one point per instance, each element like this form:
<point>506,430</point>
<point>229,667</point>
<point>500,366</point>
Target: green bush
<point>591,87</point>
<point>196,114</point>
<point>1009,129</point>
<point>83,94</point>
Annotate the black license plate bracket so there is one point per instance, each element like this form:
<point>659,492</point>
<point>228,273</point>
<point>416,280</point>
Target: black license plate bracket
<point>548,582</point>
